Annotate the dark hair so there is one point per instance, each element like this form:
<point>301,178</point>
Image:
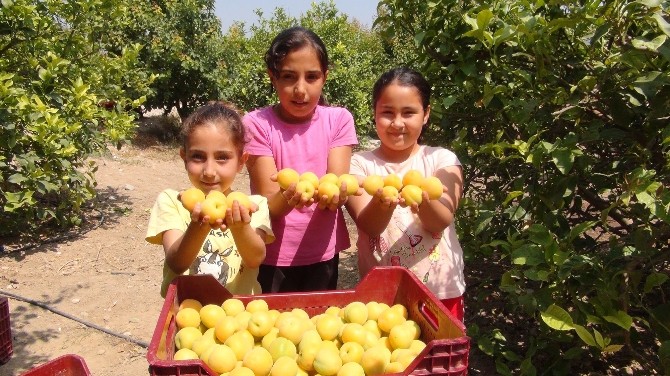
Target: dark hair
<point>219,113</point>
<point>404,77</point>
<point>292,39</point>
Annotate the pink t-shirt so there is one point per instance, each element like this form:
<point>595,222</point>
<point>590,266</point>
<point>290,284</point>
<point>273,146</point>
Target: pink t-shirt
<point>436,259</point>
<point>309,235</point>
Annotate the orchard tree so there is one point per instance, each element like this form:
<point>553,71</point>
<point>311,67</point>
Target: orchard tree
<point>560,113</point>
<point>182,47</point>
<point>63,95</point>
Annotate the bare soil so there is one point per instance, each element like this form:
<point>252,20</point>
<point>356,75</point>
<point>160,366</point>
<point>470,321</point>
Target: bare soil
<point>95,292</point>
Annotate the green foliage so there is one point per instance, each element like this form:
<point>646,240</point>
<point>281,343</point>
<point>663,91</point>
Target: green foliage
<point>62,97</point>
<point>356,55</point>
<point>182,46</point>
<point>559,112</point>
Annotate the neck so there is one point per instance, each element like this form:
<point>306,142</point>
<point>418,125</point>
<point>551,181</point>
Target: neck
<point>396,156</point>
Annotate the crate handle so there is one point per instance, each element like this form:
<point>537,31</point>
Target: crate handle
<point>429,315</point>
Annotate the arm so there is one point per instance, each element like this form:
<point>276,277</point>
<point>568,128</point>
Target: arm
<point>250,242</point>
<point>181,248</point>
<point>436,215</point>
<point>261,169</point>
<point>371,214</point>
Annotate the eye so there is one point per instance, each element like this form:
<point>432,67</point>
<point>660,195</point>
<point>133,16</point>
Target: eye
<point>197,157</point>
<point>287,77</point>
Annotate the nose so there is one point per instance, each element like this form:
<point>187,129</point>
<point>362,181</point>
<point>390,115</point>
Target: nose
<point>209,169</point>
<point>397,122</point>
<point>300,88</point>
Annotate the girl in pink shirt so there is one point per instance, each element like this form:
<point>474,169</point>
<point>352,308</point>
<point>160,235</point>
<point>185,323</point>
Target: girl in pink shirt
<point>421,237</point>
<point>300,133</point>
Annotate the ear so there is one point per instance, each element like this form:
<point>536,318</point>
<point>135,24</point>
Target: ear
<point>243,161</point>
<point>427,115</point>
<point>325,74</point>
<point>272,77</point>
<point>182,154</point>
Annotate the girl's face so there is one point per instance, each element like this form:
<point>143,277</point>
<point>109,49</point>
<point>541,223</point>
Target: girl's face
<point>299,84</point>
<point>211,159</point>
<point>399,118</point>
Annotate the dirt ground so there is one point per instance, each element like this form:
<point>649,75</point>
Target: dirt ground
<point>96,292</point>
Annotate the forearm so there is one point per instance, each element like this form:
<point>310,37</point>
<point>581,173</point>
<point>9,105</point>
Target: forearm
<point>278,205</point>
<point>180,255</point>
<point>250,244</point>
<point>435,216</point>
<point>374,218</point>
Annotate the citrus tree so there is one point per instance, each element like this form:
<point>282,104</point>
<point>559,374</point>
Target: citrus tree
<point>64,90</point>
<point>559,112</point>
<point>182,47</point>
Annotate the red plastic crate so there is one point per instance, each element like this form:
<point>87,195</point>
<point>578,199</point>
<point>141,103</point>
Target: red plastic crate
<point>6,349</point>
<point>447,346</point>
<point>65,365</point>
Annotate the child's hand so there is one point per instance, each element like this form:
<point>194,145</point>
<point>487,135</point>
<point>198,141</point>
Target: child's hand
<point>334,201</point>
<point>386,200</point>
<point>414,206</point>
<point>238,216</point>
<point>295,198</point>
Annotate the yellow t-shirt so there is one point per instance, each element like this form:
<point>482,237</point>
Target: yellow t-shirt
<point>218,255</point>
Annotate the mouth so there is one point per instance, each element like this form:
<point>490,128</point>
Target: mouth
<point>209,186</point>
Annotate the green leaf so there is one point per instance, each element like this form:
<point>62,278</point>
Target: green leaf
<point>511,196</point>
<point>418,38</point>
<point>599,338</point>
<point>612,348</point>
<point>540,235</point>
<point>664,356</point>
<point>650,3</point>
<point>557,318</point>
<point>662,23</point>
<point>528,254</point>
<point>585,335</point>
<point>486,346</point>
<point>563,159</point>
<point>527,367</point>
<point>654,280</point>
<point>448,101</point>
<point>652,45</point>
<point>620,318</point>
<point>484,18</point>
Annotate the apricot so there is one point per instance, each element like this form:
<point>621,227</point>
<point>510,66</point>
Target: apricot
<point>328,189</point>
<point>412,194</point>
<point>240,197</point>
<point>432,185</point>
<point>350,181</point>
<point>191,197</point>
<point>393,180</point>
<point>412,177</point>
<point>373,183</point>
<point>214,206</point>
<point>286,177</point>
<point>310,177</point>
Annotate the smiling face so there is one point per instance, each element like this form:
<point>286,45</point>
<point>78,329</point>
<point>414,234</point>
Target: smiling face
<point>399,119</point>
<point>299,84</point>
<point>211,158</point>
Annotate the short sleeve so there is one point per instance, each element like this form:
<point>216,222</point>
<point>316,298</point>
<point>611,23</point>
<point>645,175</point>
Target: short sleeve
<point>443,158</point>
<point>345,133</point>
<point>357,167</point>
<point>166,214</point>
<point>258,134</point>
<point>261,218</point>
